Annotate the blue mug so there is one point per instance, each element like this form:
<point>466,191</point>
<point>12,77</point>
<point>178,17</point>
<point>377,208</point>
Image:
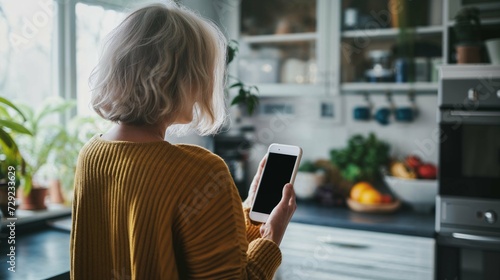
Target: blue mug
<point>404,114</point>
<point>382,116</point>
<point>362,113</point>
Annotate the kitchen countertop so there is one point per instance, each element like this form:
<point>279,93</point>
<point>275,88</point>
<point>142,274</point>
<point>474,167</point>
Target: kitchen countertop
<point>404,221</point>
<point>41,251</point>
<point>40,254</point>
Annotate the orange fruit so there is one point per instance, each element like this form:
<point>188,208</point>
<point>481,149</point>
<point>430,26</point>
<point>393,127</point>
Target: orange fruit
<point>359,188</point>
<point>370,196</point>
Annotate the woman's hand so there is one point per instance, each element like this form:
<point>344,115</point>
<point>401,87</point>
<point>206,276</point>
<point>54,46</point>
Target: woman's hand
<point>255,182</point>
<point>275,227</point>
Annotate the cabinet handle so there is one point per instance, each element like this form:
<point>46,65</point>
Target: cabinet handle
<point>474,237</point>
<point>326,240</point>
<point>474,114</point>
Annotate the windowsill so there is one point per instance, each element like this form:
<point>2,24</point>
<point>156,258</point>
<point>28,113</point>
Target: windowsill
<point>27,218</point>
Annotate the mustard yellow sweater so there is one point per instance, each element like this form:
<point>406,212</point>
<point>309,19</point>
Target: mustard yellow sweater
<point>162,211</point>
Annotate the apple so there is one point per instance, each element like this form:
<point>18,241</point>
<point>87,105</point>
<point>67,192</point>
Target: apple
<point>386,198</point>
<point>427,171</point>
<point>413,161</point>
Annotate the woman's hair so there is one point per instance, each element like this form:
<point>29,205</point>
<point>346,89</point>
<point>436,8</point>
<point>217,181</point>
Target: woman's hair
<point>155,63</point>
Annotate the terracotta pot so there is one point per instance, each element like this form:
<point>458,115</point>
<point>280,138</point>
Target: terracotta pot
<point>55,192</point>
<point>35,200</point>
<point>468,54</point>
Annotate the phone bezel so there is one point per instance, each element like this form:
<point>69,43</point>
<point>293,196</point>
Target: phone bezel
<point>277,149</point>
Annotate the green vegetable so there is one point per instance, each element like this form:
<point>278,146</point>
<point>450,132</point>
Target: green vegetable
<point>308,166</point>
<point>362,158</point>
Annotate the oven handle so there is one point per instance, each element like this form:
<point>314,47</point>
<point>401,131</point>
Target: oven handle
<point>473,237</point>
<point>474,114</point>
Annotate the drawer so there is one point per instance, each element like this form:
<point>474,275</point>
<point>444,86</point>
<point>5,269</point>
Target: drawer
<point>316,252</point>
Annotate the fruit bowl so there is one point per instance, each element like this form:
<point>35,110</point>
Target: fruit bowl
<point>418,193</point>
<point>373,208</point>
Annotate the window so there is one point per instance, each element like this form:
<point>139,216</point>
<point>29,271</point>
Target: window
<point>93,23</point>
<point>27,52</point>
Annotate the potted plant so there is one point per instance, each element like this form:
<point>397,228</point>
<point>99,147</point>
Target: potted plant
<point>10,157</point>
<point>247,98</point>
<point>36,150</point>
<point>69,142</point>
<point>309,178</point>
<point>467,30</point>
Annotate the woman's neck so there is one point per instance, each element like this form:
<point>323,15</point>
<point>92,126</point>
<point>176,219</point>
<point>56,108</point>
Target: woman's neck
<point>136,133</point>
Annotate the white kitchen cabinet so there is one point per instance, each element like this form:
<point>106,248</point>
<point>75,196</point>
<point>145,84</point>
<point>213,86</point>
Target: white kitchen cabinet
<point>318,252</point>
<point>272,57</point>
<point>284,46</point>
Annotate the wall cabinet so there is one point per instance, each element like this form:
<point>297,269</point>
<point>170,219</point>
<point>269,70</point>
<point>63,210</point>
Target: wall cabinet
<point>324,47</point>
<point>317,252</point>
<point>284,46</point>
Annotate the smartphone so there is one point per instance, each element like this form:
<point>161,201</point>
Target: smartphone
<point>281,167</point>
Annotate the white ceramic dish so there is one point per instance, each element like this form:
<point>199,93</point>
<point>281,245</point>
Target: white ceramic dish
<point>419,193</point>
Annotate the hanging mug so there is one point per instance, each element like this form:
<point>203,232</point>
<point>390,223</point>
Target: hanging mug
<point>404,114</point>
<point>362,113</point>
<point>382,116</point>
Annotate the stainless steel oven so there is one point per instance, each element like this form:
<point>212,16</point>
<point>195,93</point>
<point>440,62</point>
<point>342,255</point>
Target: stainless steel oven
<point>468,203</point>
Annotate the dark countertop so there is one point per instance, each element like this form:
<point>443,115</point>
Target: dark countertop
<point>41,254</point>
<point>41,251</point>
<point>404,221</point>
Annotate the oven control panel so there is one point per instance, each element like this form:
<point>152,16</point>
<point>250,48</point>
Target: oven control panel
<point>465,214</point>
<point>469,87</point>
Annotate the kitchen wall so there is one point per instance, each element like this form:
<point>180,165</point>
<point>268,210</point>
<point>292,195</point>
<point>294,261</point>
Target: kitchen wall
<point>317,136</point>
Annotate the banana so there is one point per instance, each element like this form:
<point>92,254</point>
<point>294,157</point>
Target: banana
<point>399,169</point>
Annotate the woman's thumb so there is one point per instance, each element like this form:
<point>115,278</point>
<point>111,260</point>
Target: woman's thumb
<point>287,192</point>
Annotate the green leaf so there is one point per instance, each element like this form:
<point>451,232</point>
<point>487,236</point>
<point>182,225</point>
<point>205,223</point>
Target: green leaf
<point>7,139</point>
<point>15,126</point>
<point>238,99</point>
<point>11,105</point>
<point>251,107</point>
<point>58,107</point>
<point>239,84</point>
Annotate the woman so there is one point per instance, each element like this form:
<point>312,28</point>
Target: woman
<point>144,208</point>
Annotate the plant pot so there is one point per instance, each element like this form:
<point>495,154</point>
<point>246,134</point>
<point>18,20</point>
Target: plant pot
<point>306,184</point>
<point>468,54</point>
<point>35,200</point>
<point>55,192</point>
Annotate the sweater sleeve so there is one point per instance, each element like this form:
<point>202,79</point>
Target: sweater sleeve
<point>252,228</point>
<point>214,236</point>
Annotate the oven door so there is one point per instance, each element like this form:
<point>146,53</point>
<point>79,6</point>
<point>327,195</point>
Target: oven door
<point>467,257</point>
<point>469,154</point>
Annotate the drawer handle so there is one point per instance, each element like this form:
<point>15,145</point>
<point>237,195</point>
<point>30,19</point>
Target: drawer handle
<point>474,114</point>
<point>473,237</point>
<point>342,244</point>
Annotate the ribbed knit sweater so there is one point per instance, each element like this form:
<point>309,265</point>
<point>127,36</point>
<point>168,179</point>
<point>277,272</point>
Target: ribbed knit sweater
<point>161,211</point>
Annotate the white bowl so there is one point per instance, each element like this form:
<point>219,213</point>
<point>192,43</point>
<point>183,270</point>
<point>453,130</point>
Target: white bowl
<point>419,193</point>
<point>306,184</point>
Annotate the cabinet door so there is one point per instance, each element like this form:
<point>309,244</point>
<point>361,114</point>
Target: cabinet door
<point>315,252</point>
<point>283,46</point>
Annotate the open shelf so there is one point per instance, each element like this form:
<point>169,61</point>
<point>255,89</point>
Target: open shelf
<point>391,32</point>
<point>484,22</point>
<point>392,87</point>
<point>284,89</point>
<point>280,38</point>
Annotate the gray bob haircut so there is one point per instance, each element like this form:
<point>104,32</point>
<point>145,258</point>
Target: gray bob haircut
<point>159,60</point>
